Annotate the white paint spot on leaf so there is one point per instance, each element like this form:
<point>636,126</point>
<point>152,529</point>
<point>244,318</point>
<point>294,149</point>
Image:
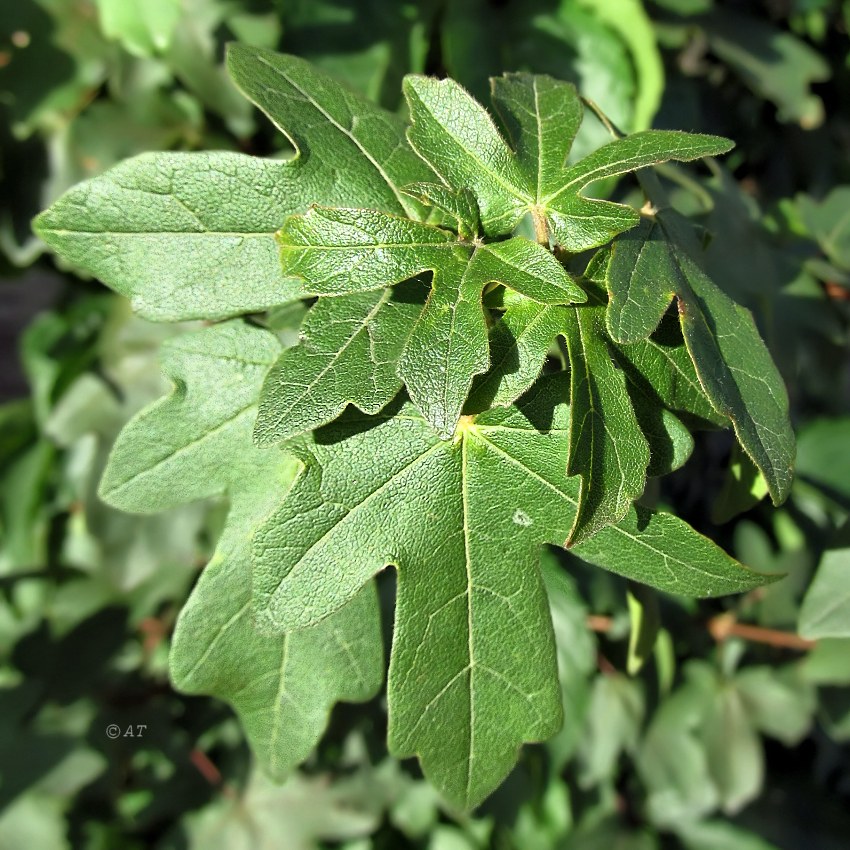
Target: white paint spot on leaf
<point>522,518</point>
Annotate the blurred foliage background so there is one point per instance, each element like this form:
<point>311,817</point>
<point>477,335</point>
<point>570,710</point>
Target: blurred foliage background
<point>732,732</point>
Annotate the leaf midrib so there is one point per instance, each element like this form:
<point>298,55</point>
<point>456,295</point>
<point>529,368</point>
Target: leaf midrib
<point>255,234</point>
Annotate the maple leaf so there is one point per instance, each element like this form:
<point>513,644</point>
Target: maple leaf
<point>459,140</point>
<point>472,673</point>
<point>656,263</point>
<point>617,405</point>
<point>344,251</point>
<point>191,235</point>
<point>364,214</point>
<point>196,443</point>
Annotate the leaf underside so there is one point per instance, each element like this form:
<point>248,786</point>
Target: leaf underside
<point>195,443</point>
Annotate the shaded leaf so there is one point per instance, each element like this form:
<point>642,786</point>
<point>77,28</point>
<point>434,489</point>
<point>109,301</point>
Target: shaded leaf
<point>607,448</point>
<point>734,367</point>
<point>776,65</point>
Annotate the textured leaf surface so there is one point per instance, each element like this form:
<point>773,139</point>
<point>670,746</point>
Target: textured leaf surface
<point>734,366</point>
<point>341,251</point>
<point>463,521</point>
<point>189,236</point>
<point>281,687</point>
<point>640,282</point>
<point>344,142</point>
<point>607,448</point>
<point>197,443</point>
<point>183,236</point>
<point>348,354</point>
<point>457,137</point>
<point>615,411</point>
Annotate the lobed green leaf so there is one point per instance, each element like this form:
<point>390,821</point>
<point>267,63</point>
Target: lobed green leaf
<point>463,521</point>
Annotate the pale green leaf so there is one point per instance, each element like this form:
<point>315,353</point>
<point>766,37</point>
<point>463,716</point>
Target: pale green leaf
<point>823,459</point>
<point>779,701</point>
<point>825,612</point>
<point>617,708</point>
<point>196,443</point>
<point>672,761</point>
<point>308,810</point>
<point>734,750</point>
<point>630,20</point>
<point>829,223</point>
<point>714,834</point>
<point>773,63</point>
<point>181,448</point>
<point>743,488</point>
<point>828,663</point>
<point>192,235</point>
<point>644,625</point>
<point>144,27</point>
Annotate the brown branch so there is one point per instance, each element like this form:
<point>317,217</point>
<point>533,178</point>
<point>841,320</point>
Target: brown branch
<point>725,626</point>
<point>599,623</point>
<point>210,772</point>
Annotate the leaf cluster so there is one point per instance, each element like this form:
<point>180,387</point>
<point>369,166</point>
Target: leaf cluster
<point>445,258</point>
